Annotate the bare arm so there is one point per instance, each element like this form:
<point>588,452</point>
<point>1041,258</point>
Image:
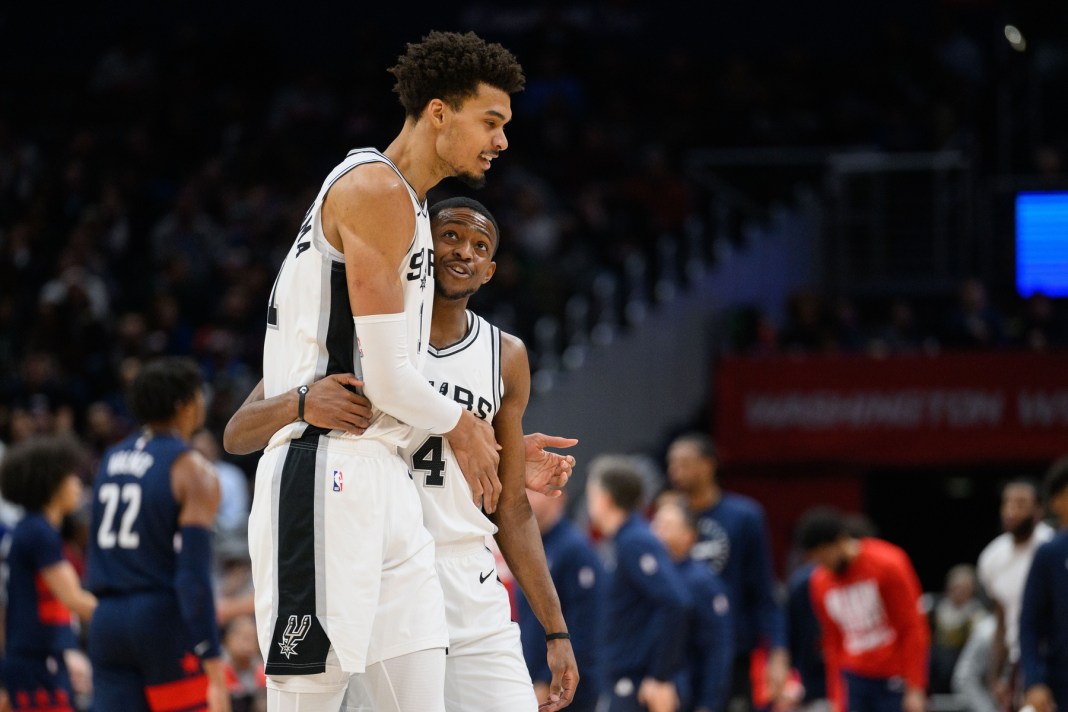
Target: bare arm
<point>328,404</point>
<point>62,581</point>
<point>369,212</point>
<point>518,536</point>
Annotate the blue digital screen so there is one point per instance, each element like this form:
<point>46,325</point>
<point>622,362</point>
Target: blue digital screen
<point>1042,244</point>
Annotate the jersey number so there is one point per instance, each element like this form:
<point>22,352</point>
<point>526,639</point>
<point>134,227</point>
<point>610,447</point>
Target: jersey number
<point>429,458</point>
<point>110,494</point>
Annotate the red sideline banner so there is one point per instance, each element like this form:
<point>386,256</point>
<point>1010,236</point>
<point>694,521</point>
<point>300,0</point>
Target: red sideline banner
<point>904,410</point>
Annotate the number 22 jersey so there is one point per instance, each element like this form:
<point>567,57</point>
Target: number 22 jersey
<point>469,372</point>
<point>132,538</point>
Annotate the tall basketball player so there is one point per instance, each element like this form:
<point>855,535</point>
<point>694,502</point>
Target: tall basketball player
<point>487,372</point>
<point>344,581</point>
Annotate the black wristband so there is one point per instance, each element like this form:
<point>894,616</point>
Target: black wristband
<point>301,392</point>
<point>557,636</point>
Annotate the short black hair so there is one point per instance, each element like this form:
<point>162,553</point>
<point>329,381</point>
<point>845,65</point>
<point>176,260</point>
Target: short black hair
<point>32,472</point>
<point>162,387</point>
<point>818,526</point>
<point>1056,478</point>
<point>461,201</point>
<point>619,476</point>
<point>702,441</point>
<point>450,66</point>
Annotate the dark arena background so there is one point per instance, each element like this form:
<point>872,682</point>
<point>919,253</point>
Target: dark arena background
<point>834,236</point>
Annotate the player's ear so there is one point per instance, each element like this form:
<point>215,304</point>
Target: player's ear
<point>435,111</point>
<point>489,272</point>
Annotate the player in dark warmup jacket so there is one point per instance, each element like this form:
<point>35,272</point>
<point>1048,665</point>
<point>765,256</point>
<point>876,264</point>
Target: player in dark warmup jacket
<point>710,630</point>
<point>154,642</point>
<point>41,475</point>
<point>644,615</point>
<point>1044,612</point>
<point>734,542</point>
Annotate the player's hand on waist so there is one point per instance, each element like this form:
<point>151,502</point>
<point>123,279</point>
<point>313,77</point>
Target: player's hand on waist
<point>477,454</point>
<point>331,404</point>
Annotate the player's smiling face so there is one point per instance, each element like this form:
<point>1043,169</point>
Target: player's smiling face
<point>474,136</point>
<point>464,242</point>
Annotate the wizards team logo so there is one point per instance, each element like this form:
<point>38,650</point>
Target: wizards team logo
<point>293,634</point>
<point>339,480</point>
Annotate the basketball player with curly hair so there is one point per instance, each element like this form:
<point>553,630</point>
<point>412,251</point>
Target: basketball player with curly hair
<point>343,571</point>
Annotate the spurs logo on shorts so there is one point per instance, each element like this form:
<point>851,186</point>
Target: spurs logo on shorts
<point>293,635</point>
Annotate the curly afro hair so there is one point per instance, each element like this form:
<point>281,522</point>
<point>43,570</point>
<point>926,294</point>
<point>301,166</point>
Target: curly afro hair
<point>450,66</point>
<point>34,470</point>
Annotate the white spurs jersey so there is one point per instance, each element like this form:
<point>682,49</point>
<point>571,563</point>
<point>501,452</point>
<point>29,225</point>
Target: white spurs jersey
<point>310,332</point>
<point>469,372</point>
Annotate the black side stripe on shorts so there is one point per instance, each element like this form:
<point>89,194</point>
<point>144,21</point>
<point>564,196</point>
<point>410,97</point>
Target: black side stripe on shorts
<point>298,644</point>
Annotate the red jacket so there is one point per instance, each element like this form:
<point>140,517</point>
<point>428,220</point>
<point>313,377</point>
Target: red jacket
<point>870,618</point>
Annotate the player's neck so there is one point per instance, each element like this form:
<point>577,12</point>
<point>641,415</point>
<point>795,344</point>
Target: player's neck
<point>612,522</point>
<point>53,514</point>
<point>171,429</point>
<point>414,158</point>
<point>705,497</point>
<point>449,324</point>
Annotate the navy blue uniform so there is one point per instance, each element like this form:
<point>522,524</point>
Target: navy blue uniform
<point>38,625</point>
<point>806,642</point>
<point>643,629</point>
<point>576,571</point>
<point>1044,620</point>
<point>733,540</point>
<point>710,641</point>
<point>141,650</point>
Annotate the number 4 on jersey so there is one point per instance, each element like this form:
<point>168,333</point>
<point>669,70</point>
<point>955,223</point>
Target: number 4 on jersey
<point>430,458</point>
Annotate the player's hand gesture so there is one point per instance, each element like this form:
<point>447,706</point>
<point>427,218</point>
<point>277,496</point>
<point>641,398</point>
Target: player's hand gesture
<point>561,658</point>
<point>547,472</point>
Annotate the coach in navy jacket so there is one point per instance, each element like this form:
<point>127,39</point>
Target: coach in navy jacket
<point>643,628</point>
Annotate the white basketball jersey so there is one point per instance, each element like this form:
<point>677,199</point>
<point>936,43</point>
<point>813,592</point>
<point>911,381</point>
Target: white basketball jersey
<point>469,372</point>
<point>310,332</point>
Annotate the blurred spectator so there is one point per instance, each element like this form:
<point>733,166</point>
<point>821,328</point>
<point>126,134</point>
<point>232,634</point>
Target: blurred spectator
<point>733,541</point>
<point>244,666</point>
<point>953,617</point>
<point>971,675</point>
<point>808,328</point>
<point>1038,327</point>
<point>1002,567</point>
<point>231,521</point>
<point>579,577</point>
<point>973,322</point>
<point>1044,612</point>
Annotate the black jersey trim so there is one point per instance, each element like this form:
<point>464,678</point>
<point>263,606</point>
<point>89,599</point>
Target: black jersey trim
<point>474,326</point>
